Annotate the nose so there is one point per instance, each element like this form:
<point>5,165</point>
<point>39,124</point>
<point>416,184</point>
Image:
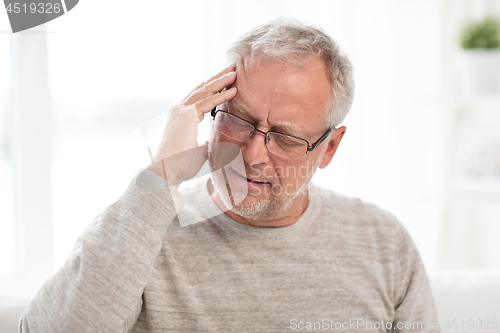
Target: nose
<point>254,150</point>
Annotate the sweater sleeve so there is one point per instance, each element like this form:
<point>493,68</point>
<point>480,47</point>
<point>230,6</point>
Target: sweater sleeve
<point>100,286</point>
<point>415,310</point>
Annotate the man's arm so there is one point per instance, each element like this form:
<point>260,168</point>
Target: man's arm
<point>99,288</point>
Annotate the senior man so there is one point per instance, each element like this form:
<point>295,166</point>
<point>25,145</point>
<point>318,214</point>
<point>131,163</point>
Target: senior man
<point>271,252</point>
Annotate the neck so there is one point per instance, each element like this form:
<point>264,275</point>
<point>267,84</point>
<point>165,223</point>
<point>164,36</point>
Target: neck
<point>291,216</point>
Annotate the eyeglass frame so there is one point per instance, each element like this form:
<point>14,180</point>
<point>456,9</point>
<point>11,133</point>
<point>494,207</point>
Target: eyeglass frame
<point>309,147</point>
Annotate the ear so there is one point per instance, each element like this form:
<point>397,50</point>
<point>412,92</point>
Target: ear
<point>333,143</point>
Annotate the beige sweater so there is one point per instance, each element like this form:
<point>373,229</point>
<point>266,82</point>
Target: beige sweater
<point>344,266</point>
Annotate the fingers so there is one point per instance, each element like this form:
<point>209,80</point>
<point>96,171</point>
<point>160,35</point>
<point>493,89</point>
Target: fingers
<point>212,101</point>
<point>226,70</point>
<point>212,88</point>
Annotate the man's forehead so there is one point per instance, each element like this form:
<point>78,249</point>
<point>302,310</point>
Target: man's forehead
<point>282,96</point>
<point>243,66</point>
<point>283,125</point>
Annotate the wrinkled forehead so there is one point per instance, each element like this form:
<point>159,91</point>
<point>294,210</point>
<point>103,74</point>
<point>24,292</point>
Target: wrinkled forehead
<point>301,75</point>
<point>281,91</point>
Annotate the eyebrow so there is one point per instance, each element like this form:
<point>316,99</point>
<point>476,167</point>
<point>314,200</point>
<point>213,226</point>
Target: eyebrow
<point>285,126</point>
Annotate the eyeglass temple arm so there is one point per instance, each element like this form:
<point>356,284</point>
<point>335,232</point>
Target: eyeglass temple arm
<point>320,140</point>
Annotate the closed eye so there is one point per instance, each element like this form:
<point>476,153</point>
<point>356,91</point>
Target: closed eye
<point>284,140</point>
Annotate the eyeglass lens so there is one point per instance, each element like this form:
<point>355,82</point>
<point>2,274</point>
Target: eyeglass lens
<point>277,143</point>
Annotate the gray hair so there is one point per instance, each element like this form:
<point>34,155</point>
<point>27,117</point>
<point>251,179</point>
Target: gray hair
<point>290,41</point>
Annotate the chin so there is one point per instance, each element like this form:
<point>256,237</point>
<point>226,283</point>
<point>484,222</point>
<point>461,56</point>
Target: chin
<point>260,210</point>
<point>250,207</point>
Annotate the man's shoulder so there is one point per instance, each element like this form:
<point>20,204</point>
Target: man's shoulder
<point>352,210</point>
<point>360,222</point>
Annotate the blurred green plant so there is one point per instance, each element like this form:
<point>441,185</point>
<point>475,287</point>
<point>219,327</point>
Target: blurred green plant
<point>484,34</point>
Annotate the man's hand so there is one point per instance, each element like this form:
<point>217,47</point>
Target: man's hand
<point>179,157</point>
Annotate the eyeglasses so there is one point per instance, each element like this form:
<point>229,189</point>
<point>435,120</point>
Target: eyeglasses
<point>284,145</point>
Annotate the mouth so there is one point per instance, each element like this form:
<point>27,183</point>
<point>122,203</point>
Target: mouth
<point>250,182</point>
